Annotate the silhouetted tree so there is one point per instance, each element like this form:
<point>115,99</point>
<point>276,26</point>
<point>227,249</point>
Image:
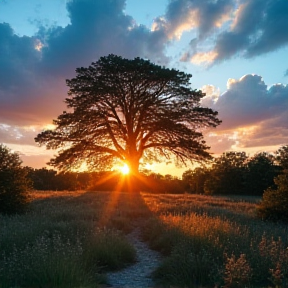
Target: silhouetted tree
<point>227,174</point>
<point>195,179</point>
<point>274,205</point>
<point>14,184</point>
<point>129,110</point>
<point>67,181</point>
<point>260,173</point>
<point>43,179</point>
<point>282,157</point>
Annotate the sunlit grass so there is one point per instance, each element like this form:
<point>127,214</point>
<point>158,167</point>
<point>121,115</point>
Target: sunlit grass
<point>75,237</point>
<point>216,242</point>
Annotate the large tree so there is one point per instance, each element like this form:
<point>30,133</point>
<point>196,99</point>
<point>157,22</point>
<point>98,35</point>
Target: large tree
<point>129,110</point>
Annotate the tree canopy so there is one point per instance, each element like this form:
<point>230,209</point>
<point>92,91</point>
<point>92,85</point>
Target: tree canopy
<point>14,184</point>
<point>127,110</point>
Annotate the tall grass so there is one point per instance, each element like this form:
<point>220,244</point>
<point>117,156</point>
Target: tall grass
<point>73,239</point>
<point>65,240</point>
<point>216,242</point>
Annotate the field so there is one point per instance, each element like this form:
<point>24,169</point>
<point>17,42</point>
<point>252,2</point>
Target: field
<point>71,239</point>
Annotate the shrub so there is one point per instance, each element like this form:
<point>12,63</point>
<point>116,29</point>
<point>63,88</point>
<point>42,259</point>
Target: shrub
<point>274,205</point>
<point>13,183</point>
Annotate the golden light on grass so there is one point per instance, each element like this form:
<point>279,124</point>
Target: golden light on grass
<point>125,169</point>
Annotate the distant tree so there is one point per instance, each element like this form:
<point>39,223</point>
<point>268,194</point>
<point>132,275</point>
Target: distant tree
<point>260,173</point>
<point>43,179</point>
<point>83,180</point>
<point>67,181</point>
<point>194,180</point>
<point>129,110</point>
<point>227,174</point>
<point>14,184</point>
<point>282,157</point>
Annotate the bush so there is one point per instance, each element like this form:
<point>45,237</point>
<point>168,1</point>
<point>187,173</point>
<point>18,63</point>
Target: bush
<point>13,183</point>
<point>274,205</point>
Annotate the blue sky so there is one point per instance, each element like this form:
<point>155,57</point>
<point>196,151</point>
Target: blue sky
<point>236,50</point>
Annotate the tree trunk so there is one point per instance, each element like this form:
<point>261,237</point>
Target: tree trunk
<point>133,175</point>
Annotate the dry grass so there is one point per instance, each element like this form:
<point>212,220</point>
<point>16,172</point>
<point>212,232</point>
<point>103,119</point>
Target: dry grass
<point>65,240</point>
<point>68,239</point>
<point>217,242</point>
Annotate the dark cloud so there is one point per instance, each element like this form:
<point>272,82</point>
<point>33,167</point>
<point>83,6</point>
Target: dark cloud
<point>17,57</point>
<point>27,94</point>
<point>97,28</point>
<point>34,69</point>
<point>251,27</point>
<point>260,27</point>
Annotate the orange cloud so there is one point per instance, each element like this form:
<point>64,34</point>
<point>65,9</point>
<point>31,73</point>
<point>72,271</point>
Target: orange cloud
<point>204,57</point>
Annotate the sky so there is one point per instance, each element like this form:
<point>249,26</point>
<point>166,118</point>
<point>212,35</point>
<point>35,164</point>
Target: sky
<point>236,50</point>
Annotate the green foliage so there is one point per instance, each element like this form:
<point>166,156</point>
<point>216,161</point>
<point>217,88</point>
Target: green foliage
<point>274,205</point>
<point>14,184</point>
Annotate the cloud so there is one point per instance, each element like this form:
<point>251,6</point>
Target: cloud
<point>97,28</point>
<point>23,135</point>
<point>226,29</point>
<point>184,15</point>
<point>259,27</point>
<point>34,69</point>
<point>253,114</point>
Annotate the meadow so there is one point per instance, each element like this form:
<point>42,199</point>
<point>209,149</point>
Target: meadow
<point>216,242</point>
<point>71,239</point>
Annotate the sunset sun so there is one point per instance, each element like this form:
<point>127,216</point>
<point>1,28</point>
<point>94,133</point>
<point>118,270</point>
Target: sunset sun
<point>125,169</point>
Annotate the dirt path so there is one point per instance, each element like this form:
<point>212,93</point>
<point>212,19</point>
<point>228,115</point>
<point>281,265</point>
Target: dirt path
<point>137,275</point>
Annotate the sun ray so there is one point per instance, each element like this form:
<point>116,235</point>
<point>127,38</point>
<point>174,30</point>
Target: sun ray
<point>125,169</point>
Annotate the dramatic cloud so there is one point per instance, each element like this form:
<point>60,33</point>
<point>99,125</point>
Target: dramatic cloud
<point>259,27</point>
<point>226,29</point>
<point>184,15</point>
<point>34,69</point>
<point>252,113</point>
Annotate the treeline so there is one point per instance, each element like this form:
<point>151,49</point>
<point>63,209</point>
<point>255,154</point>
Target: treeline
<point>49,179</point>
<point>236,173</point>
<point>231,173</point>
